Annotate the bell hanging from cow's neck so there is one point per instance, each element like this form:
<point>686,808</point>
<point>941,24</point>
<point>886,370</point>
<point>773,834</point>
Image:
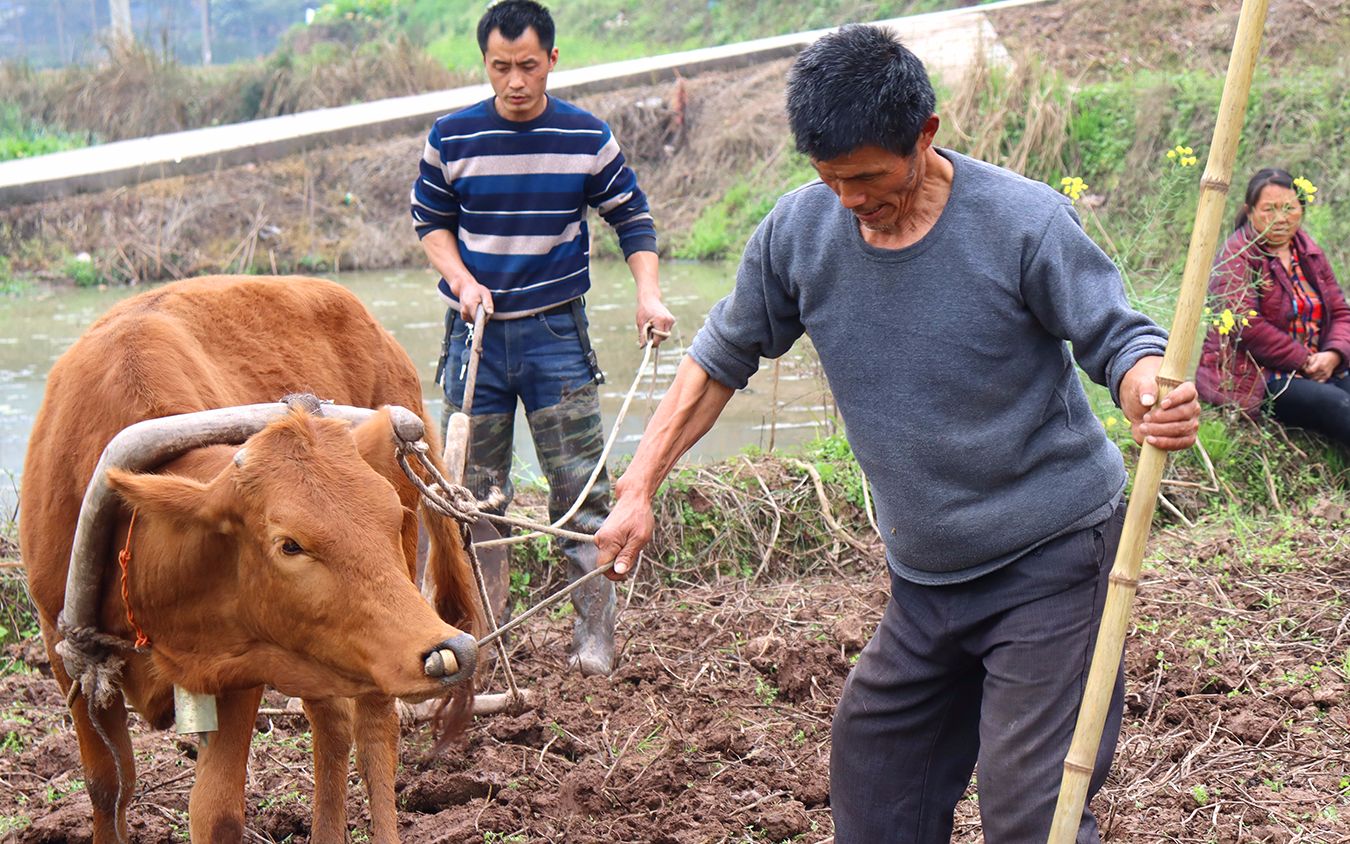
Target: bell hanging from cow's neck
<point>194,713</point>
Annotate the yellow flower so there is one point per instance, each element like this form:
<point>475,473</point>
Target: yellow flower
<point>1072,187</point>
<point>1110,422</point>
<point>1183,156</point>
<point>1252,313</point>
<point>1306,190</point>
<point>1225,322</point>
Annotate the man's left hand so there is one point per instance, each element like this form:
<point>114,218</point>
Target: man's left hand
<point>1169,424</point>
<point>652,311</point>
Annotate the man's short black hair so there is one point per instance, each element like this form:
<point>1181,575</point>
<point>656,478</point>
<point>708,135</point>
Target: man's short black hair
<point>858,86</point>
<point>512,18</point>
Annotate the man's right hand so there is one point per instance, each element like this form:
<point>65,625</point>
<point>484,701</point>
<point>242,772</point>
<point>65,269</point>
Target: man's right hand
<point>624,534</point>
<point>470,294</point>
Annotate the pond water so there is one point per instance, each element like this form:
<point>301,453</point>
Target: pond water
<point>36,328</point>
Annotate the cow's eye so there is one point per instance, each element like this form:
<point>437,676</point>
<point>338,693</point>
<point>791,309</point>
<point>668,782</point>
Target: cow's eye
<point>290,547</point>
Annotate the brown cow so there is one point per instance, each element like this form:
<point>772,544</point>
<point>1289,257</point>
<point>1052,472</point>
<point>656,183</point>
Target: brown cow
<point>288,562</point>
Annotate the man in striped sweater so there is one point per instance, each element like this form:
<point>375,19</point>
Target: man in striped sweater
<point>500,205</point>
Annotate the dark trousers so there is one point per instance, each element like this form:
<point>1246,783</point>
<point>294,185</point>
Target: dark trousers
<point>1313,405</point>
<point>993,671</point>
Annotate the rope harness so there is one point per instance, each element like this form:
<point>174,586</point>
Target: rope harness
<point>95,667</point>
<point>457,502</point>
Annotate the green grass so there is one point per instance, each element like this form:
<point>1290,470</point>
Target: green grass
<point>82,270</point>
<point>22,137</point>
<point>10,824</point>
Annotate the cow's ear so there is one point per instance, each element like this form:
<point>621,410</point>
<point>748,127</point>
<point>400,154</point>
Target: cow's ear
<point>182,500</point>
<point>375,440</point>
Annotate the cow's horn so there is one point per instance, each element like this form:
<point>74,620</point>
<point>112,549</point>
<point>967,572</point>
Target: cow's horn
<point>239,457</point>
<point>150,443</point>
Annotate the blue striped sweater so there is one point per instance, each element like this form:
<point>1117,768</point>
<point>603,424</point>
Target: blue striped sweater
<point>516,196</point>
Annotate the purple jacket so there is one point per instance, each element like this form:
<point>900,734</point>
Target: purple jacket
<point>1233,367</point>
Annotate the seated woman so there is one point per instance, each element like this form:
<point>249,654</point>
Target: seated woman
<point>1288,338</point>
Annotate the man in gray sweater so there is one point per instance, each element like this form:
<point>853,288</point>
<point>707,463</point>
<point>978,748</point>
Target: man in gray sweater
<point>948,301</point>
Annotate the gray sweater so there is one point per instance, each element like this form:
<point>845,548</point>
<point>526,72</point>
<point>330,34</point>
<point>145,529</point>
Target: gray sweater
<point>949,362</point>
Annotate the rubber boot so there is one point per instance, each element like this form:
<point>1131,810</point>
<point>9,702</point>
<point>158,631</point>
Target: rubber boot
<point>489,459</point>
<point>568,439</point>
<point>593,631</point>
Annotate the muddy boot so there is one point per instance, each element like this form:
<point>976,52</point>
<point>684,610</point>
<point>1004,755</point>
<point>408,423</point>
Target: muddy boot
<point>568,440</point>
<point>593,631</point>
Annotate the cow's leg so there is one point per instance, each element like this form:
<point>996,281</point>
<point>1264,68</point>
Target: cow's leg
<point>331,719</point>
<point>377,761</point>
<point>109,795</point>
<point>216,807</point>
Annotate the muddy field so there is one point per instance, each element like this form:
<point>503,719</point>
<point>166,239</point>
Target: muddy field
<point>715,727</point>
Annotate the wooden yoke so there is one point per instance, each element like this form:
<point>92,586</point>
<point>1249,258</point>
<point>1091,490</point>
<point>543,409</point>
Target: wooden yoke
<point>1176,368</point>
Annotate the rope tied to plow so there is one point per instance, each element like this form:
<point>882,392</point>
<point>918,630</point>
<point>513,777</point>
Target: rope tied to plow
<point>457,502</point>
<point>452,500</point>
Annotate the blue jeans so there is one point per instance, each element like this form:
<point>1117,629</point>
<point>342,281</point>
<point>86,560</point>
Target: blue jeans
<point>536,359</point>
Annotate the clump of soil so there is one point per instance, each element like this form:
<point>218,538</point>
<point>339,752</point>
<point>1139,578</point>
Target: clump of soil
<point>716,724</point>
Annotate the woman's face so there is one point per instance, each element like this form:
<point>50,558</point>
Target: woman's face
<point>1276,215</point>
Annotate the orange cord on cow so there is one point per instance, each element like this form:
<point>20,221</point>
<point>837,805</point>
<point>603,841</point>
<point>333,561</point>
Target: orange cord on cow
<point>124,560</point>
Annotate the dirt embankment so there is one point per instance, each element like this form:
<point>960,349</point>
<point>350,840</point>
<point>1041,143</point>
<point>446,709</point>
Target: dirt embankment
<point>347,208</point>
<point>1107,37</point>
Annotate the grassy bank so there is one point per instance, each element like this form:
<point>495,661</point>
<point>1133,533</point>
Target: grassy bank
<point>137,92</point>
<point>1115,135</point>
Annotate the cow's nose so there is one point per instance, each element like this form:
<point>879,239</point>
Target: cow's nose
<point>452,659</point>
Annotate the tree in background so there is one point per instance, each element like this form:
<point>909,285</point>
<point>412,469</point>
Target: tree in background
<point>120,12</point>
<point>205,6</point>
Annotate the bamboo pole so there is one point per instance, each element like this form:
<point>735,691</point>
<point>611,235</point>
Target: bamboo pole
<point>1176,368</point>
